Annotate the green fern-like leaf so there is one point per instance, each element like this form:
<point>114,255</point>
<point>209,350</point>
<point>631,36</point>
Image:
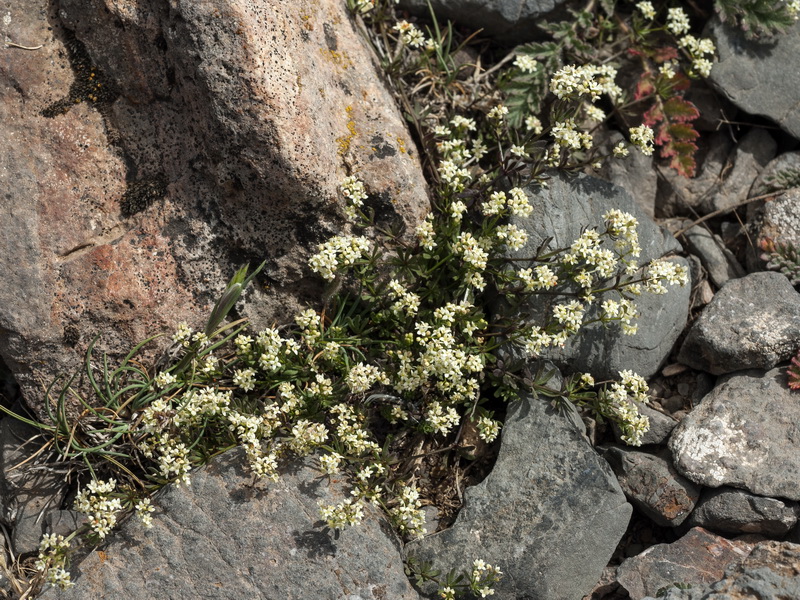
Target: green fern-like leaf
<point>756,18</point>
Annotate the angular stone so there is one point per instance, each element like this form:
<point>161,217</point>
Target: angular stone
<point>225,538</point>
<point>560,211</point>
<point>678,195</point>
<point>514,21</point>
<point>753,152</point>
<point>754,74</point>
<point>770,572</point>
<point>222,141</point>
<point>719,262</point>
<point>549,514</point>
<point>744,434</point>
<point>732,511</point>
<point>653,486</point>
<point>698,557</point>
<point>752,323</point>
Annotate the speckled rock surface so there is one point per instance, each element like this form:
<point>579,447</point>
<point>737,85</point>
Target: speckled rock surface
<point>549,514</point>
<point>698,557</point>
<point>770,572</point>
<point>653,485</point>
<point>752,323</point>
<point>223,538</point>
<point>743,434</point>
<point>560,211</point>
<point>208,135</point>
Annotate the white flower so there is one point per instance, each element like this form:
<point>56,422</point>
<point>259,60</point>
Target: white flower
<point>526,63</point>
<point>647,10</point>
<point>339,251</point>
<point>534,125</point>
<point>677,21</point>
<point>643,138</point>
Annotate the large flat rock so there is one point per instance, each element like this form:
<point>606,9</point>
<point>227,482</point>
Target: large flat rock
<point>743,434</point>
<point>224,538</point>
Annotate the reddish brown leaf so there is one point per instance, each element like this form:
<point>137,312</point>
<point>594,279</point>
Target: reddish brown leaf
<point>680,110</point>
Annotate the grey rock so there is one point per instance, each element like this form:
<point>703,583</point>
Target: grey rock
<point>653,485</point>
<point>728,510</point>
<point>770,572</point>
<point>699,557</point>
<point>752,323</point>
<point>744,434</point>
<point>29,490</point>
<point>719,262</point>
<point>560,211</point>
<point>512,21</point>
<point>751,155</point>
<point>223,537</point>
<point>633,173</point>
<point>678,195</point>
<point>758,76</point>
<point>549,514</point>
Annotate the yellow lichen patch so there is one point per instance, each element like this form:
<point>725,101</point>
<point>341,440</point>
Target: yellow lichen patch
<point>345,141</point>
<point>340,59</point>
<point>401,145</point>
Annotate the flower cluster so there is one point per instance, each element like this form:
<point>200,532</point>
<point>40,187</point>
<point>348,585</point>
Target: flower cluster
<point>643,137</point>
<point>338,252</point>
<point>53,553</point>
<point>96,502</point>
<point>700,51</point>
<point>592,81</point>
<point>352,188</point>
<point>483,577</point>
<point>408,516</point>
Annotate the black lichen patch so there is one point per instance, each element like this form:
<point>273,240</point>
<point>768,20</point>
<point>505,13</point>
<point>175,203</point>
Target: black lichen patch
<point>330,37</point>
<point>381,148</point>
<point>71,336</point>
<point>91,84</point>
<point>141,194</point>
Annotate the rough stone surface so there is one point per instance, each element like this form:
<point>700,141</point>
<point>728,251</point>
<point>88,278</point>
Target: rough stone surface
<point>560,211</point>
<point>770,572</point>
<point>698,557</point>
<point>512,21</point>
<point>549,515</point>
<point>633,173</point>
<point>653,486</point>
<point>743,434</point>
<point>678,195</point>
<point>753,152</point>
<point>759,77</point>
<point>224,538</point>
<point>719,262</point>
<point>752,323</point>
<point>728,510</point>
<point>219,137</point>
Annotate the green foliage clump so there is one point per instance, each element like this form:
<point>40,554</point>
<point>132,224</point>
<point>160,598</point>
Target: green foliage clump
<point>759,18</point>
